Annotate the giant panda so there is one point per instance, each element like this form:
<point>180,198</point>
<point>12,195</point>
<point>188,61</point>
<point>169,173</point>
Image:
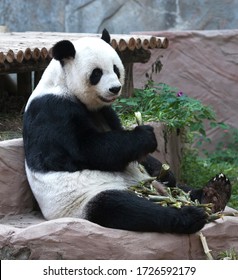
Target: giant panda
<point>79,160</point>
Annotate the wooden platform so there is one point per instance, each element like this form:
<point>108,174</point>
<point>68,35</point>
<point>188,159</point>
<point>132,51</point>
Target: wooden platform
<point>27,53</point>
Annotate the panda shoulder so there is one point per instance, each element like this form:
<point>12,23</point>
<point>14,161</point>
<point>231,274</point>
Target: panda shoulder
<point>53,105</point>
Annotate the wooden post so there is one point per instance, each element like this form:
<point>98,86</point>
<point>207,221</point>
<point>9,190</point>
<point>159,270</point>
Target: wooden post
<point>24,84</point>
<point>37,77</point>
<point>129,57</point>
<point>128,88</point>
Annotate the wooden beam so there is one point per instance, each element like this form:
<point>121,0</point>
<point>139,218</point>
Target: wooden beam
<point>24,84</point>
<point>128,87</point>
<point>37,77</point>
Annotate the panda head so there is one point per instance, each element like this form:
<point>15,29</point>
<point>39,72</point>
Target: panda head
<point>91,70</point>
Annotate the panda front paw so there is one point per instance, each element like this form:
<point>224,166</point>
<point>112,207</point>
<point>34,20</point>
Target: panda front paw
<point>146,137</point>
<point>190,220</point>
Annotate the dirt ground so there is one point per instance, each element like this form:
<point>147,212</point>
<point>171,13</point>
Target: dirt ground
<point>11,114</point>
<point>10,126</point>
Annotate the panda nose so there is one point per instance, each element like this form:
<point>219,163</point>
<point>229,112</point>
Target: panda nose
<point>115,90</point>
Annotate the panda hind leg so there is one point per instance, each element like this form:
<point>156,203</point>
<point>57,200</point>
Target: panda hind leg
<point>153,166</point>
<point>125,210</point>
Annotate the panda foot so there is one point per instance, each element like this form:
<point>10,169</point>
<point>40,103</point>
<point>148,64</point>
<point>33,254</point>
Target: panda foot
<point>218,192</point>
<point>192,219</point>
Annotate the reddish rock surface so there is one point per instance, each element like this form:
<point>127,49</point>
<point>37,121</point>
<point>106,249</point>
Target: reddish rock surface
<point>202,64</point>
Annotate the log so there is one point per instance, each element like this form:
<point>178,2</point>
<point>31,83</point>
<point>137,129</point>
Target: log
<point>27,54</point>
<point>153,42</point>
<point>10,56</point>
<point>145,44</point>
<point>2,57</point>
<point>165,43</point>
<point>131,44</point>
<point>44,53</point>
<point>36,54</point>
<point>114,44</point>
<point>138,43</point>
<point>20,56</point>
<point>122,45</point>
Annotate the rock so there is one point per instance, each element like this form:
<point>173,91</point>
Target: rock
<point>72,239</point>
<point>15,194</point>
<point>118,16</point>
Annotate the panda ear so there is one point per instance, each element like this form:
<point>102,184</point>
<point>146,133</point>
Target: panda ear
<point>106,36</point>
<point>63,50</point>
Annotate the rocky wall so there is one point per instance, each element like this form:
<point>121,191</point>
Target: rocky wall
<point>120,16</point>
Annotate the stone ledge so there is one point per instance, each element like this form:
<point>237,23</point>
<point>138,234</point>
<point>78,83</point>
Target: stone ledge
<point>71,239</point>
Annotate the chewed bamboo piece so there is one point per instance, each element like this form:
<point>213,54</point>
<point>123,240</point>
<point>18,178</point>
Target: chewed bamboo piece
<point>138,117</point>
<point>205,247</point>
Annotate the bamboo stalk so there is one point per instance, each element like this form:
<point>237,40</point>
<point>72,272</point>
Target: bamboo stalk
<point>205,247</point>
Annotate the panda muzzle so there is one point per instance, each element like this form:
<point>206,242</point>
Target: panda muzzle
<point>110,99</point>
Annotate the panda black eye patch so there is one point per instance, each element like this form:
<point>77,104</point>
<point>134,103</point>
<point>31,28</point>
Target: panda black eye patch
<point>116,70</point>
<point>95,76</point>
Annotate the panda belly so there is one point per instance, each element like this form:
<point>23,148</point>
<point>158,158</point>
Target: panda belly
<point>65,194</point>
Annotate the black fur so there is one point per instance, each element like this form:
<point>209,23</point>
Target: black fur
<point>116,70</point>
<point>63,50</point>
<point>62,135</point>
<point>106,36</point>
<point>125,210</point>
<point>95,76</point>
<point>153,167</point>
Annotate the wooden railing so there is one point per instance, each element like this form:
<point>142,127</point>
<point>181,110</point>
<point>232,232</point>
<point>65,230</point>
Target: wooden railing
<point>28,53</point>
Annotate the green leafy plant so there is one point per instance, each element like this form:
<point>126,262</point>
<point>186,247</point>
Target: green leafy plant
<point>230,254</point>
<point>160,102</point>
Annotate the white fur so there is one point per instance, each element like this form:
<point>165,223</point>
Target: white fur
<point>64,194</point>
